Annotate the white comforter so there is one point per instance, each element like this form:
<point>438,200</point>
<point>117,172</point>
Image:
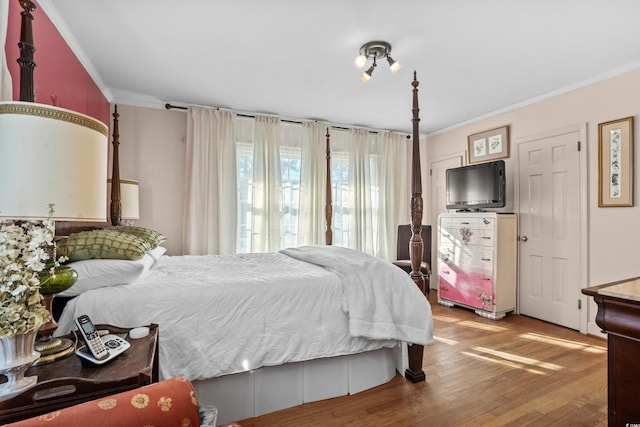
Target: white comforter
<point>220,315</point>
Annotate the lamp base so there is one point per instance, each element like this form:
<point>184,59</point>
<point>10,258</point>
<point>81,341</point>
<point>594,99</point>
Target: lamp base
<point>52,349</point>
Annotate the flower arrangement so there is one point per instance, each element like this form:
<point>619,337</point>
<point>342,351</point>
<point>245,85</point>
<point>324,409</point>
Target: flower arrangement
<point>24,252</point>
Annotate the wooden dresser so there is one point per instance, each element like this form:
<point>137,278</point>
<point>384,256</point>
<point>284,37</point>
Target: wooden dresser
<point>477,262</point>
<point>619,316</point>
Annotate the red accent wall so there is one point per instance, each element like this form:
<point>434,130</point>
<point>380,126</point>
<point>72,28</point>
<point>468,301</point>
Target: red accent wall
<point>59,78</point>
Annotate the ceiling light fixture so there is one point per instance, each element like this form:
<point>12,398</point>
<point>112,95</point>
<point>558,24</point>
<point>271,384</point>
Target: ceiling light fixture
<point>375,50</point>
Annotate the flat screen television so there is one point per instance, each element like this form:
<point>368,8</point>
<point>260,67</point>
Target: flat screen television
<point>476,187</point>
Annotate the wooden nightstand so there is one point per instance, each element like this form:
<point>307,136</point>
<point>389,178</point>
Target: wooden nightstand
<point>68,382</point>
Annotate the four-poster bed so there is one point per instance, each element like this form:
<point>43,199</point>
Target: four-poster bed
<point>239,376</point>
<point>319,310</point>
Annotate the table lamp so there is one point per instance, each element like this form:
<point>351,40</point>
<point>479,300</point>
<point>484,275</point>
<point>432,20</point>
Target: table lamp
<point>129,199</point>
<point>50,155</point>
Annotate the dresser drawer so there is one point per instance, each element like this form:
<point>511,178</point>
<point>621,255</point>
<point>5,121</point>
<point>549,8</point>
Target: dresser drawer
<point>472,233</point>
<point>469,287</point>
<point>473,222</point>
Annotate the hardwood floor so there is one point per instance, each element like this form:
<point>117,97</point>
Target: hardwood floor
<point>517,371</point>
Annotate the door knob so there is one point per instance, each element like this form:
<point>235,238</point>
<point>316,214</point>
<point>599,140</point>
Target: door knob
<point>523,238</point>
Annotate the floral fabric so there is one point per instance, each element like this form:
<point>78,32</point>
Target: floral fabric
<point>167,403</point>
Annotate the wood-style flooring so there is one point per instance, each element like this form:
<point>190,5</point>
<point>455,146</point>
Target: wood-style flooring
<point>517,371</point>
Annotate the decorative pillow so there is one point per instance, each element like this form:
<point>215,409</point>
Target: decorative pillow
<point>152,237</point>
<point>102,243</point>
<point>97,273</point>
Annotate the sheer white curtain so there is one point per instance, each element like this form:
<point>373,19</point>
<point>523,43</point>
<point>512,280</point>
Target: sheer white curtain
<point>371,191</point>
<point>267,186</point>
<point>393,153</point>
<point>6,89</point>
<point>313,181</point>
<point>258,185</point>
<point>281,176</point>
<point>364,193</point>
<point>210,219</point>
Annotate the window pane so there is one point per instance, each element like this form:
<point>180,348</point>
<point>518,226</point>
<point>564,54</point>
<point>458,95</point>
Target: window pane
<point>245,195</point>
<point>341,199</point>
<point>290,164</point>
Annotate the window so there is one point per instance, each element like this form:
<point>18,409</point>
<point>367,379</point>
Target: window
<point>290,164</point>
<point>290,155</point>
<point>244,152</point>
<point>360,173</point>
<point>341,197</point>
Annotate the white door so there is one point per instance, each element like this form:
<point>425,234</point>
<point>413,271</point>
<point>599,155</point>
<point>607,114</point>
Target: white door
<point>550,208</point>
<point>439,201</point>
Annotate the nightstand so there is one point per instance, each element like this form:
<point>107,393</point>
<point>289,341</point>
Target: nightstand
<point>68,382</point>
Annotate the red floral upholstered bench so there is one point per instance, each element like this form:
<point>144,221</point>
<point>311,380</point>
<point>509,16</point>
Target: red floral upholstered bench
<point>170,402</point>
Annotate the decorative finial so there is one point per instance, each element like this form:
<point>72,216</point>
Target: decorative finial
<point>27,5</point>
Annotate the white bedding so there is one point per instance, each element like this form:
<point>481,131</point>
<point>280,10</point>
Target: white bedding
<point>220,315</point>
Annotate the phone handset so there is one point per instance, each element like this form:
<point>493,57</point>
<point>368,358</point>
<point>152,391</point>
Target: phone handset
<point>92,338</point>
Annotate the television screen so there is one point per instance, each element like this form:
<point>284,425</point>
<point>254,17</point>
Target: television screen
<point>476,187</point>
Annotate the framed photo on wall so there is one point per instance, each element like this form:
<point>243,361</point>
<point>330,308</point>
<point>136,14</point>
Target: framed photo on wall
<point>615,163</point>
<point>489,145</point>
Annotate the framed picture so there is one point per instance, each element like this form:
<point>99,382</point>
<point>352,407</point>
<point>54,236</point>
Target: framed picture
<point>490,145</point>
<point>615,163</point>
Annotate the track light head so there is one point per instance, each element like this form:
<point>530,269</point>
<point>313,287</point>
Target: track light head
<point>367,74</point>
<point>394,66</point>
<point>360,61</point>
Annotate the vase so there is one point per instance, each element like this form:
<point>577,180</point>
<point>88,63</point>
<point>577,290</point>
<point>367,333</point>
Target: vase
<point>58,279</point>
<point>17,354</point>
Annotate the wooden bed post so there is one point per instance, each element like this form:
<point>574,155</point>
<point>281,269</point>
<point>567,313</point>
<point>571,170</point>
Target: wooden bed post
<point>415,373</point>
<point>328,210</point>
<point>27,48</point>
<point>116,205</point>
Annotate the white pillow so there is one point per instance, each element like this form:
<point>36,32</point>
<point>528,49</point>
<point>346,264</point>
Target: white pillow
<point>97,273</point>
<point>156,253</point>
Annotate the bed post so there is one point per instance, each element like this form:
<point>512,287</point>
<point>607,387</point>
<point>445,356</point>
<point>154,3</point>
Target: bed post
<point>27,64</point>
<point>116,205</point>
<point>328,210</point>
<point>415,373</point>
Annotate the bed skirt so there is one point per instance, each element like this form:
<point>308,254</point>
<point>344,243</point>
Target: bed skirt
<point>272,388</point>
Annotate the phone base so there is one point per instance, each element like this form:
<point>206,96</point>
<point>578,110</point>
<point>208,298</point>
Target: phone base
<point>114,344</point>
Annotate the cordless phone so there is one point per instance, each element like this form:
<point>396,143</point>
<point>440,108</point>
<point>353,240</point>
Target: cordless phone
<point>92,338</point>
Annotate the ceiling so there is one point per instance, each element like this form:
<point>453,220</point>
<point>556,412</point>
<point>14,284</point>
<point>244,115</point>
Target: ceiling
<point>295,58</point>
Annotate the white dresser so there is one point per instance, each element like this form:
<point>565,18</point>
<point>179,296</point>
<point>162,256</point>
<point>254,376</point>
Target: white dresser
<point>477,261</point>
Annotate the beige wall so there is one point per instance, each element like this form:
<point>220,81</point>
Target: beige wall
<point>152,150</point>
<point>613,233</point>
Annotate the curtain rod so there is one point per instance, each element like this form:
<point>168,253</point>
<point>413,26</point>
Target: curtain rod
<point>178,107</point>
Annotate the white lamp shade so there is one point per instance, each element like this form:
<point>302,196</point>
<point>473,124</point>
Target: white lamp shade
<point>129,201</point>
<point>51,155</point>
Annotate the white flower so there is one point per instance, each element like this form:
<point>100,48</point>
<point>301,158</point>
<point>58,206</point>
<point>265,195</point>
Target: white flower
<point>23,254</point>
<point>17,291</point>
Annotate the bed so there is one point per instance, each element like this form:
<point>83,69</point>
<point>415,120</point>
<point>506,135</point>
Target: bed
<point>309,323</point>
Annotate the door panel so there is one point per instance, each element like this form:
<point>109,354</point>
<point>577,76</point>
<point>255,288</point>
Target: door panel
<point>549,215</point>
